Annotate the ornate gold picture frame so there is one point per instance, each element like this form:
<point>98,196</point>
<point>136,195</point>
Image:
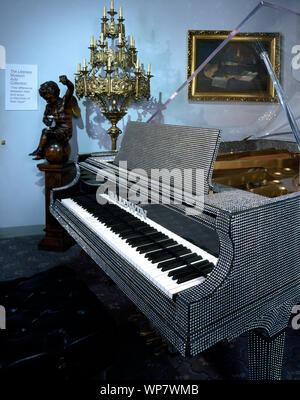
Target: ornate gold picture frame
<point>236,73</point>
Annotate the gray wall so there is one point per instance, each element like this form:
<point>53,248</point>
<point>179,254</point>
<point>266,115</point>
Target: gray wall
<point>55,36</point>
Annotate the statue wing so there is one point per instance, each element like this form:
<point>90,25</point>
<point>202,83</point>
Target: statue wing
<point>75,107</point>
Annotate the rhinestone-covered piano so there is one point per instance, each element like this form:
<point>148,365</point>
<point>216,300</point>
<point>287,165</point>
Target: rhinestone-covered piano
<point>199,278</point>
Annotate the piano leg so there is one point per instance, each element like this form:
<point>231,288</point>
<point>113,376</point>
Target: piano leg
<point>265,355</point>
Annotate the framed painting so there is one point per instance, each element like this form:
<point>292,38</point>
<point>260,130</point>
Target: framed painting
<point>236,73</point>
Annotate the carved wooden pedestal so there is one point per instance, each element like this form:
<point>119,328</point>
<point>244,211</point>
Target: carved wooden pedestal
<point>56,238</point>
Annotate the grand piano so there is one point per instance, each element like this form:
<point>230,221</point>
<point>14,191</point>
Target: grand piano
<point>230,267</point>
<point>228,264</point>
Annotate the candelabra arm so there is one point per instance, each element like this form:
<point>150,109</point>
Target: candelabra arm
<point>85,86</point>
<point>137,86</point>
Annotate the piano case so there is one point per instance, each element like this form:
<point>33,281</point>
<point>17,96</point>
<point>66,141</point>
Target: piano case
<point>56,328</point>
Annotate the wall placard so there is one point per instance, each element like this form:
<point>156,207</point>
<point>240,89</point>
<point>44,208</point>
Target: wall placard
<point>20,87</point>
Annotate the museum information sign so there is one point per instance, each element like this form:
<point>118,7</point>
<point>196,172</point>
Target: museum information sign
<point>21,87</point>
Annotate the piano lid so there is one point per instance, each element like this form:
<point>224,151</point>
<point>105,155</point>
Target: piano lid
<point>158,146</point>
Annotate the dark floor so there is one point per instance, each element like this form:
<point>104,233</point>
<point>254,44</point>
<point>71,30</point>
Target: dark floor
<point>136,359</point>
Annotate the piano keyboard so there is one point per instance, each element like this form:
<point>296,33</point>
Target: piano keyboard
<point>170,262</point>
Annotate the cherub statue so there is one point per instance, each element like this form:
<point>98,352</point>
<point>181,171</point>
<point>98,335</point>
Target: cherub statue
<point>57,116</point>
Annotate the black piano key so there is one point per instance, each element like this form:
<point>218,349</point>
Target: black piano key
<point>137,224</point>
<point>201,265</point>
<point>190,258</point>
<point>167,243</point>
<point>161,257</point>
<point>207,269</point>
<point>115,223</point>
<point>161,241</point>
<point>184,277</point>
<point>171,264</point>
<point>106,215</point>
<point>127,218</point>
<point>144,228</point>
<point>122,229</point>
<point>106,220</point>
<point>148,248</point>
<point>189,277</point>
<point>147,240</point>
<point>158,256</point>
<point>176,272</point>
<point>131,234</point>
<point>158,242</point>
<point>157,236</point>
<point>180,250</point>
<point>147,230</point>
<point>139,241</point>
<point>186,274</point>
<point>191,267</point>
<point>178,261</point>
<point>119,212</point>
<point>178,247</point>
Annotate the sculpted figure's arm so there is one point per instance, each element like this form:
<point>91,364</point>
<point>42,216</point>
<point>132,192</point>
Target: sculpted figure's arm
<point>47,121</point>
<point>69,93</point>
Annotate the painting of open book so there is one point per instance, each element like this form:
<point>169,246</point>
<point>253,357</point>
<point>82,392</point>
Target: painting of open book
<point>237,72</point>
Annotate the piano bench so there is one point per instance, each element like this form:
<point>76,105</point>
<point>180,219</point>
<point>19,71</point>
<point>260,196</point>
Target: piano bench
<point>56,329</point>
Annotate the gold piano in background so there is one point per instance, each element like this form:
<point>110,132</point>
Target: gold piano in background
<point>269,172</point>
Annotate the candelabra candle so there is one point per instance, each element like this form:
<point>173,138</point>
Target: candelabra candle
<point>79,68</point>
<point>92,55</point>
<point>120,12</point>
<point>92,40</point>
<point>104,12</point>
<point>112,5</point>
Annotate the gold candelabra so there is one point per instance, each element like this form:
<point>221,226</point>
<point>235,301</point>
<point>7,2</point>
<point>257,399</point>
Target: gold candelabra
<point>115,77</point>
